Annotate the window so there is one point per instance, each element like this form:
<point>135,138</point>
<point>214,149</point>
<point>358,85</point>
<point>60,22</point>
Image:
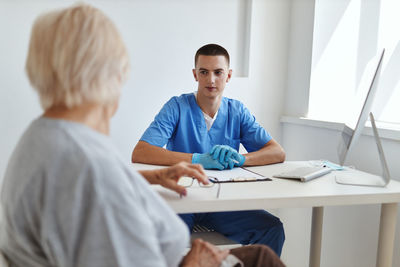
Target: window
<point>347,35</point>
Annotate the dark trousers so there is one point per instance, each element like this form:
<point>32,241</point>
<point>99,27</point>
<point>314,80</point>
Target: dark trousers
<point>244,227</point>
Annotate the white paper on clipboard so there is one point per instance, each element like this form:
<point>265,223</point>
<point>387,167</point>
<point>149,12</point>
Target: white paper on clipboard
<point>234,175</point>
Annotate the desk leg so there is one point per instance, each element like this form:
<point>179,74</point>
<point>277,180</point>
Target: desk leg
<point>316,236</point>
<point>387,228</point>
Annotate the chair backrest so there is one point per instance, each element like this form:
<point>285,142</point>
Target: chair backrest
<point>213,237</point>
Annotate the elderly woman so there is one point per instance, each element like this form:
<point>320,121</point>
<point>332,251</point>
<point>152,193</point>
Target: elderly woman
<point>68,197</point>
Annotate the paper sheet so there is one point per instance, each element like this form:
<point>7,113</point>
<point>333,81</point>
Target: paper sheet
<point>235,174</point>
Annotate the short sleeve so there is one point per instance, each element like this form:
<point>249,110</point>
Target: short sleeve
<point>252,135</point>
<point>164,124</point>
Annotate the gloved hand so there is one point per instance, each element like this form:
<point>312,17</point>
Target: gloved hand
<point>207,161</point>
<point>227,156</point>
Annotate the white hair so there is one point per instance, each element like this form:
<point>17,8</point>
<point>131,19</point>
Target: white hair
<point>76,56</point>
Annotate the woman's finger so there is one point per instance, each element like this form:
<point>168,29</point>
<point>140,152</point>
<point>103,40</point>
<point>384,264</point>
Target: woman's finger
<point>173,185</point>
<point>197,173</point>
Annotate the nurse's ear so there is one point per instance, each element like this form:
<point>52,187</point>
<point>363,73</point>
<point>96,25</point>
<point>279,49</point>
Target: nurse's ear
<point>229,76</point>
<point>195,75</point>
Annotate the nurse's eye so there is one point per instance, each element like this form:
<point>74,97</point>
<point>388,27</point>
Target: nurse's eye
<point>203,72</point>
<point>218,72</point>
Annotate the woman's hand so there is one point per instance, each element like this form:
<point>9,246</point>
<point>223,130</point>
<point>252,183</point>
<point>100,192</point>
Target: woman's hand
<point>169,177</point>
<point>204,254</point>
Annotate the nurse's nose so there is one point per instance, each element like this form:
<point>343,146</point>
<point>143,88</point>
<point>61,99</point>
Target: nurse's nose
<point>211,78</point>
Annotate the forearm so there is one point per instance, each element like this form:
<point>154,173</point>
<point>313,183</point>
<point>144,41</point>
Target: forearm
<point>271,153</point>
<point>146,153</point>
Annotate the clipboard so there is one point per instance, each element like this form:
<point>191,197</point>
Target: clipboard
<point>235,175</point>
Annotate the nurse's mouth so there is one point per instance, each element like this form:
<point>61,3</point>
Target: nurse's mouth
<point>211,88</point>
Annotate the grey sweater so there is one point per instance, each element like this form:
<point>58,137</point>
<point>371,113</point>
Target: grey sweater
<point>70,200</point>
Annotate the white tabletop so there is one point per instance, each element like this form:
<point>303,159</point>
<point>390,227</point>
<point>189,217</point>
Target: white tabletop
<point>278,193</point>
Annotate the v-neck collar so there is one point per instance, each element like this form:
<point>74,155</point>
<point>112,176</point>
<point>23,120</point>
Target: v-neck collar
<point>199,117</point>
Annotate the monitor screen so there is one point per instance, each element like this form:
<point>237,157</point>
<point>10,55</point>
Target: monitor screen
<point>361,109</point>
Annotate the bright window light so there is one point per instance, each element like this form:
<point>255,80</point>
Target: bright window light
<point>347,36</point>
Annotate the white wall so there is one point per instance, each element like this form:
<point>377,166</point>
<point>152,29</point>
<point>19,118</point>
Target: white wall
<point>300,55</point>
<point>162,37</point>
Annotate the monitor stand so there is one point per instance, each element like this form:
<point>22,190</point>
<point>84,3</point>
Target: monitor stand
<point>351,176</point>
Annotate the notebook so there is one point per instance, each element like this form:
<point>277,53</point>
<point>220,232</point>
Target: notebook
<point>304,174</point>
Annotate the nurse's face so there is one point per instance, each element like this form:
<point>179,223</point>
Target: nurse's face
<point>212,73</point>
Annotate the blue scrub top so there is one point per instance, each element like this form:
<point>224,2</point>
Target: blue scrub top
<point>180,125</point>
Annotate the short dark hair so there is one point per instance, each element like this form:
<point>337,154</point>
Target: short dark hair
<point>211,50</point>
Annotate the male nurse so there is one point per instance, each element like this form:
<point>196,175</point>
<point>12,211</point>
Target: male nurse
<point>207,128</point>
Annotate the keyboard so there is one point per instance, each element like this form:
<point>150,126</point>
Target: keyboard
<point>304,174</point>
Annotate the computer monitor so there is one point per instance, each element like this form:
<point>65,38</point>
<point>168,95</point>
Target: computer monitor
<point>351,134</point>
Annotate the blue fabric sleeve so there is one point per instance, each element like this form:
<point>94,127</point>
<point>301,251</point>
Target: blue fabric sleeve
<point>164,124</point>
<point>252,135</point>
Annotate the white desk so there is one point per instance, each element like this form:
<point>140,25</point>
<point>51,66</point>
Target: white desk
<point>281,193</point>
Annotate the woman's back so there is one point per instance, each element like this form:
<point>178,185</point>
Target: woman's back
<point>69,199</point>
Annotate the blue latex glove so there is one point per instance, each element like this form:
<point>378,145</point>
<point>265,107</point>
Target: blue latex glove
<point>223,154</point>
<point>207,161</point>
<point>240,160</point>
<point>227,156</point>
